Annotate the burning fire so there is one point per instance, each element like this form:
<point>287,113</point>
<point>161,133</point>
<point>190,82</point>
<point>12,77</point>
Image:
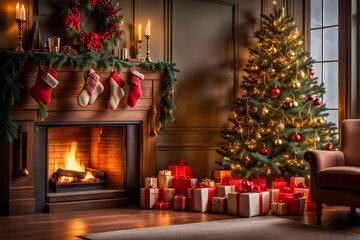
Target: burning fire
<point>72,162</point>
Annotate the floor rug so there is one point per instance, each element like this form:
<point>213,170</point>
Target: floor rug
<point>261,227</point>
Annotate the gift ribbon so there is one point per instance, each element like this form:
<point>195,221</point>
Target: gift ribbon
<point>301,185</point>
<point>150,191</point>
<point>218,203</point>
<point>180,201</point>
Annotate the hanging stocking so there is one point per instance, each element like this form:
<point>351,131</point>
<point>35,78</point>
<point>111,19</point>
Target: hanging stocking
<point>91,90</point>
<point>116,90</point>
<point>45,82</point>
<point>135,88</point>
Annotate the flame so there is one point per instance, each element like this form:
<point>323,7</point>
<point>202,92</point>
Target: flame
<point>71,161</point>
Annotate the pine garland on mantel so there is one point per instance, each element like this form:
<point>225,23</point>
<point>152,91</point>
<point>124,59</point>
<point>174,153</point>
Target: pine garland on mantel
<point>12,64</point>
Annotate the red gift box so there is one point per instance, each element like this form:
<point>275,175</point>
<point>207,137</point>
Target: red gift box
<point>162,205</point>
<point>296,205</point>
<point>286,192</point>
<point>180,168</point>
<point>279,183</point>
<point>182,184</point>
<point>261,181</point>
<point>235,183</point>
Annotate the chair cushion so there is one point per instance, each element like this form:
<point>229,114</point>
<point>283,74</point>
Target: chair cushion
<point>346,177</point>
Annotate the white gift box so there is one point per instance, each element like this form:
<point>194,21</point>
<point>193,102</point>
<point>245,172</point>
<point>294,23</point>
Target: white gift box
<point>248,204</point>
<point>273,194</point>
<point>151,181</point>
<point>223,190</point>
<point>294,181</point>
<point>200,199</point>
<point>278,208</point>
<point>148,197</point>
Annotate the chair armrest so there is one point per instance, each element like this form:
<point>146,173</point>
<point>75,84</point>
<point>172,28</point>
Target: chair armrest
<point>319,160</point>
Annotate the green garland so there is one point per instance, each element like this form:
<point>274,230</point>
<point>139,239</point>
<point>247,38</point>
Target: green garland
<point>12,64</point>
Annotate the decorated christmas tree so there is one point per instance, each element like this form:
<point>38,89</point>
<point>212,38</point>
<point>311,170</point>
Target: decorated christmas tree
<point>280,114</point>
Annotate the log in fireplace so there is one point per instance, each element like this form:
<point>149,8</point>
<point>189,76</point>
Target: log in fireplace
<point>28,164</point>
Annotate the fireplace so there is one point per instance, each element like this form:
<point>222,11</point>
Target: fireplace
<point>86,165</point>
<point>120,144</point>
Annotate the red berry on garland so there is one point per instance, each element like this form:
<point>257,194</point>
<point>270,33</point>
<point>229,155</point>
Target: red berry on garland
<point>275,92</point>
<point>264,150</point>
<point>311,71</point>
<point>253,80</point>
<point>329,147</point>
<point>310,97</point>
<point>317,101</point>
<point>296,137</point>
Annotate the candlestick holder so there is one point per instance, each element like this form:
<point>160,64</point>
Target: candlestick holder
<point>138,50</point>
<point>147,59</point>
<point>20,23</point>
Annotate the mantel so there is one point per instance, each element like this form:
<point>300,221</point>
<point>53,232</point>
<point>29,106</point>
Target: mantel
<point>17,188</point>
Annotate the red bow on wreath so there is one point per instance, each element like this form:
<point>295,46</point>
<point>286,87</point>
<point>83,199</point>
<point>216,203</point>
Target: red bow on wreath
<point>72,20</point>
<point>96,43</point>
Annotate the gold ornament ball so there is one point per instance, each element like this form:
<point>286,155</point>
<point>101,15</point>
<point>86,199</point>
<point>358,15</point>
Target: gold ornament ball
<point>317,139</point>
<point>257,135</point>
<point>301,74</point>
<point>254,67</point>
<point>294,104</point>
<point>280,126</point>
<point>296,84</point>
<point>278,142</point>
<point>271,71</point>
<point>290,54</point>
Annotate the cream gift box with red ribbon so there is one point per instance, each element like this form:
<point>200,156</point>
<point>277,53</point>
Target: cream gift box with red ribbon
<point>148,197</point>
<point>200,198</point>
<point>248,204</point>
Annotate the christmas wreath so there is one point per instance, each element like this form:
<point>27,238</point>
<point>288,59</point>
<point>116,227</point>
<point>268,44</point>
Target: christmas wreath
<point>108,19</point>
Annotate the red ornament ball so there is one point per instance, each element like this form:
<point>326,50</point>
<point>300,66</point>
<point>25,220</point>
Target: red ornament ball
<point>318,101</point>
<point>310,97</point>
<point>253,80</point>
<point>311,71</point>
<point>296,137</point>
<point>264,150</point>
<point>275,92</point>
<point>329,147</point>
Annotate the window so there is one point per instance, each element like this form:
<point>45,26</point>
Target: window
<point>324,32</point>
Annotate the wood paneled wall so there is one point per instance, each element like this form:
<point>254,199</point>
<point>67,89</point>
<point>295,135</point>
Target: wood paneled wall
<point>208,40</point>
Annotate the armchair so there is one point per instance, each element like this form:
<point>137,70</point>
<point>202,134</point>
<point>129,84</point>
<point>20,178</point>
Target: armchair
<point>335,175</point>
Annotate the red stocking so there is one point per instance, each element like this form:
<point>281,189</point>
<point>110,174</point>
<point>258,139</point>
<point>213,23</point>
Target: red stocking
<point>45,82</point>
<point>135,88</point>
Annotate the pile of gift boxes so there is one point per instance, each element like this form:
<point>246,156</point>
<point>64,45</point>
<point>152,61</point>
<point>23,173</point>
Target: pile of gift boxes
<point>176,188</point>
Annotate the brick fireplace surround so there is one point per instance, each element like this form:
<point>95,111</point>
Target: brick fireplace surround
<point>18,189</point>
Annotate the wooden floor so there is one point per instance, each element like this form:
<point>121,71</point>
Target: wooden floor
<point>71,224</point>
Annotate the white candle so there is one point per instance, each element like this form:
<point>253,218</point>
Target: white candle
<point>139,33</point>
<point>147,29</point>
<point>22,13</point>
<point>17,12</point>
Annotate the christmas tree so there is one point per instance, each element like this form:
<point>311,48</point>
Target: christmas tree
<point>280,114</point>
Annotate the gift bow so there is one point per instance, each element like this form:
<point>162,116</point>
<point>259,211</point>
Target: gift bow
<point>279,179</point>
<point>298,195</point>
<point>301,185</point>
<point>248,186</point>
<point>96,41</point>
<point>207,183</point>
<point>287,190</point>
<point>151,186</point>
<point>72,20</point>
<point>179,162</point>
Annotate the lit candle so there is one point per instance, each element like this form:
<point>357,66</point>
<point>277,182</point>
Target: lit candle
<point>139,33</point>
<point>147,29</point>
<point>17,12</point>
<point>22,13</point>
